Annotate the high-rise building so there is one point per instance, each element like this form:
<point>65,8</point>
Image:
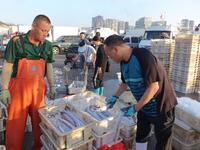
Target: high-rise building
<point>143,22</point>
<point>122,26</point>
<point>111,23</point>
<point>191,25</point>
<point>114,24</point>
<point>187,24</point>
<point>97,22</point>
<point>127,26</point>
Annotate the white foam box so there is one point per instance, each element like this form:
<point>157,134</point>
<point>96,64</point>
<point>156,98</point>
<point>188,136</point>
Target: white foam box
<point>47,145</point>
<point>187,110</point>
<point>185,133</point>
<point>76,87</point>
<point>67,139</point>
<point>82,101</point>
<point>179,145</point>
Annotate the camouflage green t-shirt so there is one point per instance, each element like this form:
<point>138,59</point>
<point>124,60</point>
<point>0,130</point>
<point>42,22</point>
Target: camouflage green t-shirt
<point>14,51</point>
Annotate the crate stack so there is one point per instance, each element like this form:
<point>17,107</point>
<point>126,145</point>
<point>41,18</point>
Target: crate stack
<point>105,131</point>
<point>185,68</point>
<point>186,131</point>
<point>163,49</point>
<point>53,138</point>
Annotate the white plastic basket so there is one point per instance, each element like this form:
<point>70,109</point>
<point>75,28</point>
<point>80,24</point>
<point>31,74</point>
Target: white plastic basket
<point>67,139</point>
<point>177,144</point>
<point>81,102</point>
<point>85,146</point>
<point>77,87</point>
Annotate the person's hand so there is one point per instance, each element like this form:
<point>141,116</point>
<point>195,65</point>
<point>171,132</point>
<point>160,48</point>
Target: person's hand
<point>5,97</point>
<point>110,101</point>
<point>129,111</point>
<point>52,92</point>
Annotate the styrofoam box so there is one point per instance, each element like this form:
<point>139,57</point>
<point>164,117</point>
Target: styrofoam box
<point>185,133</point>
<point>72,89</point>
<point>82,102</point>
<point>187,110</point>
<point>108,138</point>
<point>85,146</point>
<point>179,145</point>
<point>70,138</point>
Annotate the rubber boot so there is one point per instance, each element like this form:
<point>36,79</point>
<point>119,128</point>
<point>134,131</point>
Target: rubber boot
<point>97,91</point>
<point>141,146</point>
<point>101,91</point>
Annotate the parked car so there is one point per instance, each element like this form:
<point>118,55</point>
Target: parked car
<point>62,44</point>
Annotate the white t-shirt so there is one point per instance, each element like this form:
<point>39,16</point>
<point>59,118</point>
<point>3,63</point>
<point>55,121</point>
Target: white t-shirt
<point>88,51</point>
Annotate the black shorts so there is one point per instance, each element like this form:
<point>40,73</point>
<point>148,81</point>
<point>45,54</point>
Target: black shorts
<point>163,125</point>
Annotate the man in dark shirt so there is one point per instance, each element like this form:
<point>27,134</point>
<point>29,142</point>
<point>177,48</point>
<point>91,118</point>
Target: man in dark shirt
<point>148,81</point>
<point>100,65</point>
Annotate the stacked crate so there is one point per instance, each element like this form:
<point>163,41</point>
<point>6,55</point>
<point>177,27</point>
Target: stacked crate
<point>184,137</point>
<point>163,49</point>
<point>186,131</point>
<point>75,139</point>
<point>185,68</point>
<point>105,131</point>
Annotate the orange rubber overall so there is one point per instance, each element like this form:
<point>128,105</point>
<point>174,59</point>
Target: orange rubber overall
<point>28,91</point>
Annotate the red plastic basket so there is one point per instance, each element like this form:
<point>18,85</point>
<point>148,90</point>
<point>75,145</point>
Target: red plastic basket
<point>118,146</point>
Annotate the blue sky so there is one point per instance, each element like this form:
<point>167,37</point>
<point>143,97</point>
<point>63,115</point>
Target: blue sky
<point>80,12</point>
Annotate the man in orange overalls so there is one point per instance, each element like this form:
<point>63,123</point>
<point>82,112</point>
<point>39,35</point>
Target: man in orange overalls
<point>28,58</point>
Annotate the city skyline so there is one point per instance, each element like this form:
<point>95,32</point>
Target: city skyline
<point>80,13</point>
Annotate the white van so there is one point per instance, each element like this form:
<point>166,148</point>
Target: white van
<point>156,32</point>
<point>133,37</point>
